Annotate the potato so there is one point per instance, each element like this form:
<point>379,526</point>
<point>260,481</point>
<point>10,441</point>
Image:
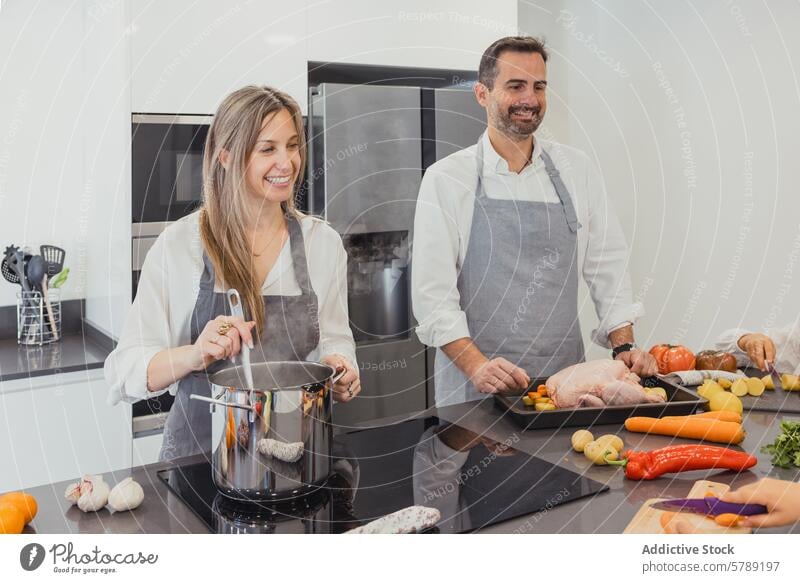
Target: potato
<point>769,384</point>
<point>598,453</point>
<point>544,406</point>
<point>739,387</point>
<point>580,438</point>
<point>613,440</point>
<point>657,391</point>
<point>725,383</point>
<point>755,387</point>
<point>790,382</point>
<point>709,388</point>
<point>725,402</point>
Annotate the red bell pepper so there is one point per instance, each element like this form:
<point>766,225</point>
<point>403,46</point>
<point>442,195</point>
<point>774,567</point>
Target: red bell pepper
<point>649,465</point>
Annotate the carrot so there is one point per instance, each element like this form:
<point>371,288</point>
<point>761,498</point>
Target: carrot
<point>542,389</point>
<point>665,519</point>
<point>718,415</point>
<point>689,428</point>
<point>727,519</point>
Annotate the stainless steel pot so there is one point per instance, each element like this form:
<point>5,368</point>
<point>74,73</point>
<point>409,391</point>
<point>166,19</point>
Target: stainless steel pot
<point>274,442</point>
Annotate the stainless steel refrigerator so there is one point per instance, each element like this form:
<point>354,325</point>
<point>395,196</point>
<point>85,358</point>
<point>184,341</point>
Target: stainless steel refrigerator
<point>369,146</point>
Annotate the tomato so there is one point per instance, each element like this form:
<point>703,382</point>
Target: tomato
<point>671,358</point>
<point>259,408</point>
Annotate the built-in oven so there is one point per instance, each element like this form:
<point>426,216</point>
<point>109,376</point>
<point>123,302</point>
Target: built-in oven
<point>167,184</point>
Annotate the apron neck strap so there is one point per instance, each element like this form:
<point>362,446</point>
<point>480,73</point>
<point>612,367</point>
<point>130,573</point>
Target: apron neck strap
<point>562,192</point>
<point>299,261</point>
<point>298,247</point>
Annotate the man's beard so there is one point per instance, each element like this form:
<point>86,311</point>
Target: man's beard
<point>517,128</point>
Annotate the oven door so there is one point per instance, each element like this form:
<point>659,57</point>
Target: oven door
<point>167,165</point>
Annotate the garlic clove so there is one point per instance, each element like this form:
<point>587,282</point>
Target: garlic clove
<point>72,493</point>
<point>94,494</point>
<point>126,495</point>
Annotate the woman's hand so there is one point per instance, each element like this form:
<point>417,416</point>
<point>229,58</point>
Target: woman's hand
<point>349,385</point>
<point>781,498</point>
<point>759,348</point>
<point>221,338</point>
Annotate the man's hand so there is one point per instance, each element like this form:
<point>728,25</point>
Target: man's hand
<point>640,362</point>
<point>759,348</point>
<point>499,376</point>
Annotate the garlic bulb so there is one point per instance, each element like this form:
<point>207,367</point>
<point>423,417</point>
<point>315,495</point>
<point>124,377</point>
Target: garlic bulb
<point>73,492</point>
<point>126,495</point>
<point>94,494</point>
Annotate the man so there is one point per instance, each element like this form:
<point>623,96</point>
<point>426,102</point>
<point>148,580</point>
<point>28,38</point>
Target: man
<point>500,236</point>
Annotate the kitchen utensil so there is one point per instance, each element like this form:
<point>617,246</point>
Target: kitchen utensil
<point>54,258</point>
<point>49,307</point>
<point>17,263</point>
<point>36,270</point>
<point>235,304</point>
<point>292,403</point>
<point>60,279</point>
<point>710,506</point>
<point>649,520</point>
<point>776,378</point>
<point>9,274</point>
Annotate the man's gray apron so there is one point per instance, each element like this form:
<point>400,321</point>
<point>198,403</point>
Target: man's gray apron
<point>291,332</point>
<point>518,286</point>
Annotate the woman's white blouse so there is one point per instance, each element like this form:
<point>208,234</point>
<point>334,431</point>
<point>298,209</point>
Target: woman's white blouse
<point>161,313</point>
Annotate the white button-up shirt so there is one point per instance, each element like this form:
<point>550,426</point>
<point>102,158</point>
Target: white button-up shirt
<point>787,346</point>
<point>160,316</point>
<point>444,218</point>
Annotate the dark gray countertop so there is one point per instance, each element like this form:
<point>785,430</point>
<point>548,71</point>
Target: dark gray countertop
<point>73,352</point>
<point>608,512</point>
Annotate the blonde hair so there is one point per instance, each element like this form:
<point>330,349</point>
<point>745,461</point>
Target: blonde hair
<point>235,129</point>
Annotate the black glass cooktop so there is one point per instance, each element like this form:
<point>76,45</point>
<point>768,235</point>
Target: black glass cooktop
<point>473,481</point>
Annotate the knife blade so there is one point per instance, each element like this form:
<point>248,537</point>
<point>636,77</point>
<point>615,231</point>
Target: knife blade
<point>709,506</point>
<point>776,378</point>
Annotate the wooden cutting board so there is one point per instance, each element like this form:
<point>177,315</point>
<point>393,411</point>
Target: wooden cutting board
<point>651,521</point>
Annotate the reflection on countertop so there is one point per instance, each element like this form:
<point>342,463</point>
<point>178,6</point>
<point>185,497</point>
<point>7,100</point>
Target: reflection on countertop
<point>73,352</point>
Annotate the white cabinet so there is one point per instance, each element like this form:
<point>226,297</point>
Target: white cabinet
<point>146,449</point>
<point>412,33</point>
<point>187,55</point>
<point>58,427</point>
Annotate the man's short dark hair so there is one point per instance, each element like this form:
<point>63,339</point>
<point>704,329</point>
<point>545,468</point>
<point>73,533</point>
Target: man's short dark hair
<point>487,71</point>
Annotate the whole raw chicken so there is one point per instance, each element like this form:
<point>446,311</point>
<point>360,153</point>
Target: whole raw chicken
<point>597,383</point>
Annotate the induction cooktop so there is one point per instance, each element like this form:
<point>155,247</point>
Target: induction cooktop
<point>472,480</point>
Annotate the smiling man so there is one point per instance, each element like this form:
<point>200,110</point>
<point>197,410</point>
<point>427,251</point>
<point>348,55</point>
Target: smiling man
<point>502,231</point>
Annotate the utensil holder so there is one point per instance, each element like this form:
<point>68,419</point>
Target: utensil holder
<point>34,326</point>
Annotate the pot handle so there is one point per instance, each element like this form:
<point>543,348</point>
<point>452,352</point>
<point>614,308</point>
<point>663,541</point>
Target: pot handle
<point>335,378</point>
<point>221,403</point>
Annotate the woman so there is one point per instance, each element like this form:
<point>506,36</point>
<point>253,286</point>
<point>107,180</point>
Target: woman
<point>290,270</point>
<point>780,346</point>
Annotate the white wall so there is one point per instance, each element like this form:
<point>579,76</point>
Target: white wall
<point>690,110</point>
<point>410,33</point>
<point>41,162</point>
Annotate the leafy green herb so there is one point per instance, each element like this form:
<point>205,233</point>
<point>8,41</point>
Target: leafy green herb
<point>785,449</point>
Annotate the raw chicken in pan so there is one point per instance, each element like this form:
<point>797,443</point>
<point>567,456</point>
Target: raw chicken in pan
<point>597,383</point>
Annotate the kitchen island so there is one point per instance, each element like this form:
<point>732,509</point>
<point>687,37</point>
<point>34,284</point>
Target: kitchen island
<point>606,512</point>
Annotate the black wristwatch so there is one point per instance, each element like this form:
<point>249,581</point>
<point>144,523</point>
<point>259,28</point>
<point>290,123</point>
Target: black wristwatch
<point>622,348</point>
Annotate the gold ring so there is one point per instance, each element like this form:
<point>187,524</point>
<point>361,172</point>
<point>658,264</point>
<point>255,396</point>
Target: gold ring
<point>223,328</point>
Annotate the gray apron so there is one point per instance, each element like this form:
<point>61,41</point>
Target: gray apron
<point>291,332</point>
<point>518,286</point>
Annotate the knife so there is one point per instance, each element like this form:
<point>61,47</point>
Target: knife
<point>709,506</point>
<point>776,378</point>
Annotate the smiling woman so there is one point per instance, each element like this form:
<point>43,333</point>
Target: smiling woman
<point>290,271</point>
